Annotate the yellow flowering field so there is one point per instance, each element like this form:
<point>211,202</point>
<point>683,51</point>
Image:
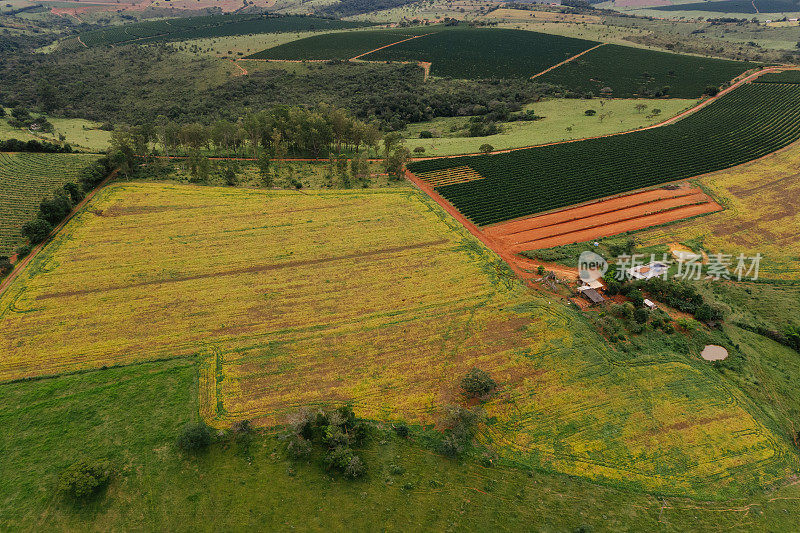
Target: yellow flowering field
<point>289,299</point>
<point>761,215</point>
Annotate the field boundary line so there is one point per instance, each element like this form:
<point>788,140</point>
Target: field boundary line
<point>20,265</point>
<point>569,59</point>
<point>388,45</point>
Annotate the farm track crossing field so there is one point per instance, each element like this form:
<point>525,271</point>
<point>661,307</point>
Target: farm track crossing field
<point>744,124</point>
<point>379,298</point>
<point>475,53</point>
<point>25,179</point>
<point>178,29</point>
<point>632,71</point>
<point>338,45</point>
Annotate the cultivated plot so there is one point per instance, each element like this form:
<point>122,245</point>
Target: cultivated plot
<point>378,298</point>
<point>485,53</point>
<point>26,179</point>
<point>625,72</point>
<point>744,124</point>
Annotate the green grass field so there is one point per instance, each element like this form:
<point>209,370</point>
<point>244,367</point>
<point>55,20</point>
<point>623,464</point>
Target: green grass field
<point>564,119</point>
<point>79,133</point>
<point>25,179</point>
<point>131,415</point>
<point>630,71</point>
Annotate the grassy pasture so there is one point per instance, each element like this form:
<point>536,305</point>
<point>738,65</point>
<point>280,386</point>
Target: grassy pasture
<point>79,133</point>
<point>564,119</point>
<point>376,297</point>
<point>25,179</point>
<point>130,416</point>
<point>630,71</point>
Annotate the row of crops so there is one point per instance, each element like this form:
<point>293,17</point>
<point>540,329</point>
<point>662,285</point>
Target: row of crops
<point>338,45</point>
<point>25,179</point>
<point>455,52</point>
<point>478,53</point>
<point>747,123</point>
<point>630,72</point>
<point>179,29</point>
<point>736,6</point>
<point>786,76</point>
<point>485,53</point>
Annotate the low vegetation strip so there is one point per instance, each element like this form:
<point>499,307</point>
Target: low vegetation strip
<point>475,53</point>
<point>25,180</point>
<point>625,72</point>
<point>392,335</point>
<point>177,29</point>
<point>745,124</point>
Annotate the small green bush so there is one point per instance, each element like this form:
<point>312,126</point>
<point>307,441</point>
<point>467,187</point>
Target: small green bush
<point>84,479</point>
<point>194,437</point>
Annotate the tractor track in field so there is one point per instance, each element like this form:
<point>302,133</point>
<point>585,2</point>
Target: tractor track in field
<point>568,60</point>
<point>247,270</point>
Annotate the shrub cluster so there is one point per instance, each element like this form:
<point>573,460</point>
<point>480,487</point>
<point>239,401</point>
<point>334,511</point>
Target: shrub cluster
<point>84,479</point>
<point>15,145</point>
<point>334,431</point>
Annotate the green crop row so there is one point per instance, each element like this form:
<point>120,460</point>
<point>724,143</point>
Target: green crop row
<point>630,72</point>
<point>339,45</point>
<point>747,123</point>
<point>179,29</point>
<point>27,178</point>
<point>485,53</point>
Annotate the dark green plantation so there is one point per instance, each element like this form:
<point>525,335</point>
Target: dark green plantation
<point>209,26</point>
<point>745,124</point>
<point>736,6</point>
<point>338,45</point>
<point>632,72</point>
<point>474,53</point>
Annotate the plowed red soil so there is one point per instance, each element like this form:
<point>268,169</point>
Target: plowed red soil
<point>601,219</point>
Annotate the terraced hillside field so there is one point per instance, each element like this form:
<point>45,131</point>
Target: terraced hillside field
<point>178,29</point>
<point>631,71</point>
<point>744,124</point>
<point>379,298</point>
<point>454,52</point>
<point>25,179</point>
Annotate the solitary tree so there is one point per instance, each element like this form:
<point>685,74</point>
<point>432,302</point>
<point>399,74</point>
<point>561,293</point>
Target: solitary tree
<point>486,148</point>
<point>478,383</point>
